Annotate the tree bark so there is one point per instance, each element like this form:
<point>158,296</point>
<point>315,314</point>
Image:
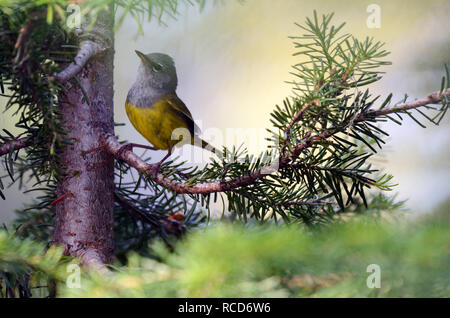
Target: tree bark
<point>84,212</point>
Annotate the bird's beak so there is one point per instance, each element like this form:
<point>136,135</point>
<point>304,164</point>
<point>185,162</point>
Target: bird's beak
<point>142,56</point>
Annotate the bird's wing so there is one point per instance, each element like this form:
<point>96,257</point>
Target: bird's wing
<point>181,108</point>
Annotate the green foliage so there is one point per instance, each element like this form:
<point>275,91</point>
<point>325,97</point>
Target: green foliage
<point>31,97</point>
<point>139,10</point>
<point>33,100</point>
<point>316,185</point>
<point>143,213</point>
<point>226,260</point>
<point>29,269</point>
<point>268,261</point>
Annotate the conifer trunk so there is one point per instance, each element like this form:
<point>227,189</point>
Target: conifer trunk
<point>84,212</point>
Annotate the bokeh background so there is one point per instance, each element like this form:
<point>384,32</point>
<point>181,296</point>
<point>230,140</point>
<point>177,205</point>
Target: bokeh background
<point>233,60</point>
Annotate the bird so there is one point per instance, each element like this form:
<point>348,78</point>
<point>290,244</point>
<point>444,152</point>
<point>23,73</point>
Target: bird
<point>155,110</point>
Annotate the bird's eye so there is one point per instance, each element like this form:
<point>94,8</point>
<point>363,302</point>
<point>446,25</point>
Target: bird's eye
<point>157,67</point>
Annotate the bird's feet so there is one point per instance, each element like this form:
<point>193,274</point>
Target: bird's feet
<point>123,149</point>
<point>130,146</point>
<point>153,169</point>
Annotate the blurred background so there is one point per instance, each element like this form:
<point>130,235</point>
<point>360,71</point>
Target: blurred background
<point>233,60</point>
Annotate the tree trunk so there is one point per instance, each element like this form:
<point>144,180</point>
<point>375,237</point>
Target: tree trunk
<point>84,212</point>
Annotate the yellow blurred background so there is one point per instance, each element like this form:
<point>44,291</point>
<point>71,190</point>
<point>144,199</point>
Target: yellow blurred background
<point>233,60</point>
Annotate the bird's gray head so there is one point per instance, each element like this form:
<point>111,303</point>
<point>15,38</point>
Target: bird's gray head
<point>158,71</point>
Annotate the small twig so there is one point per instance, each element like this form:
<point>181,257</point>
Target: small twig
<point>83,153</point>
<point>296,118</point>
<point>299,203</point>
<point>127,206</point>
<point>13,145</point>
<point>153,220</point>
<point>61,198</point>
<point>300,113</point>
<point>433,98</point>
<point>309,203</point>
<point>88,50</point>
<point>24,35</point>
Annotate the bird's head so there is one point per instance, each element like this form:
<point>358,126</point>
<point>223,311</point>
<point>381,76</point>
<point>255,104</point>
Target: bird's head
<point>158,70</point>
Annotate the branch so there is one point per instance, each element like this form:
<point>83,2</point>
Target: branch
<point>135,213</point>
<point>24,35</point>
<point>299,115</point>
<point>95,40</point>
<point>88,50</point>
<point>12,145</point>
<point>309,203</point>
<point>297,203</point>
<point>296,118</point>
<point>433,98</point>
<point>112,145</point>
<point>152,219</point>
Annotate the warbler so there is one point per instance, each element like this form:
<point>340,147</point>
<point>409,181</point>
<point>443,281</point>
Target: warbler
<point>154,108</point>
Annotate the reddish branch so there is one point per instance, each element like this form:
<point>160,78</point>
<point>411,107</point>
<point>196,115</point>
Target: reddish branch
<point>296,118</point>
<point>24,35</point>
<point>433,98</point>
<point>13,145</point>
<point>112,145</point>
<point>299,115</point>
<point>61,198</point>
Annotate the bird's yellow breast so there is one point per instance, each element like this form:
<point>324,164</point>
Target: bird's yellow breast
<point>156,122</point>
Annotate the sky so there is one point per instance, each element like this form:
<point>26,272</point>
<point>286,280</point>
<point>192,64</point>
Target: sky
<point>233,61</point>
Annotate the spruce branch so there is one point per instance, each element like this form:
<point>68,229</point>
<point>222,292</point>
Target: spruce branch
<point>433,98</point>
<point>135,213</point>
<point>286,160</point>
<point>304,203</point>
<point>112,145</point>
<point>13,145</point>
<point>296,118</point>
<point>24,35</point>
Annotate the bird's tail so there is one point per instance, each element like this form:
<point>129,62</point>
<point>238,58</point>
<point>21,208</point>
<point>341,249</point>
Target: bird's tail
<point>206,145</point>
